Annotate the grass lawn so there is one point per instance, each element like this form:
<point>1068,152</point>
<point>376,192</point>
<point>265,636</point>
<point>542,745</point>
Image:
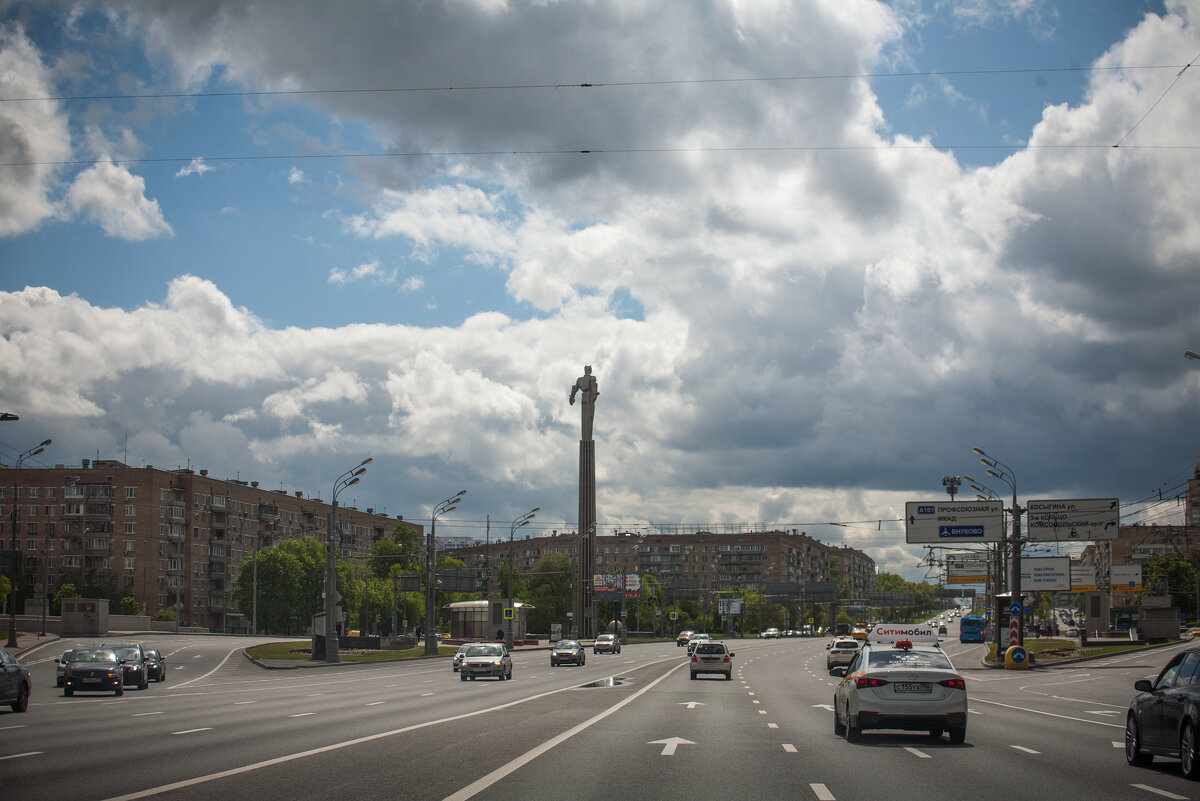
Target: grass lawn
<point>302,649</point>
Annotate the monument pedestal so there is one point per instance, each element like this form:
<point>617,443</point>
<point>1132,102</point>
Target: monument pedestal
<point>585,601</point>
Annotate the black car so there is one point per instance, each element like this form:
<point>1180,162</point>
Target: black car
<point>567,651</point>
<point>60,666</point>
<point>133,663</point>
<point>15,684</point>
<point>93,670</point>
<point>1164,719</point>
<point>156,665</point>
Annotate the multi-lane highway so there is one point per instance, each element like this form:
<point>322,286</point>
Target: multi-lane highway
<point>624,726</point>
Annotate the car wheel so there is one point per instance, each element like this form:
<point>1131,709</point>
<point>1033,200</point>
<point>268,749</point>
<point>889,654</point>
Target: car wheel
<point>1189,761</point>
<point>581,661</point>
<point>958,735</point>
<point>462,676</point>
<point>472,678</point>
<point>853,733</point>
<point>935,732</point>
<point>68,692</point>
<point>838,728</point>
<point>22,702</point>
<point>120,689</point>
<point>1134,754</point>
<point>693,676</point>
<point>145,683</point>
<point>728,677</point>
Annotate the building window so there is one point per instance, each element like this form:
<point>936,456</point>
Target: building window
<point>33,492</point>
<point>130,493</point>
<point>130,510</point>
<point>130,564</point>
<point>129,528</point>
<point>127,581</point>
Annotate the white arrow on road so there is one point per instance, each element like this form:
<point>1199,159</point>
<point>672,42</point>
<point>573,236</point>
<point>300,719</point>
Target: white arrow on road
<point>691,704</point>
<point>828,707</point>
<point>670,744</point>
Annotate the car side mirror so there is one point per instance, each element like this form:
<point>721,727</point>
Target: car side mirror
<point>828,645</point>
<point>731,653</point>
<point>840,670</point>
<point>1143,685</point>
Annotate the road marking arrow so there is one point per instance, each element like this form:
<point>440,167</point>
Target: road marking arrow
<point>827,707</point>
<point>692,704</point>
<point>670,744</point>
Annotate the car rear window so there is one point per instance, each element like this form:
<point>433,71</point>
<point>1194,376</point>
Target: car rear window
<point>907,659</point>
<point>710,648</point>
<point>485,650</point>
<point>846,644</point>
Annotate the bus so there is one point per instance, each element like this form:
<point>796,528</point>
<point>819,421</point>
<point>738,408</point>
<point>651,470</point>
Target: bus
<point>970,628</point>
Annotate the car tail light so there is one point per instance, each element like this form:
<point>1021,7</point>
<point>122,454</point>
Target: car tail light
<point>726,658</point>
<point>953,684</point>
<point>869,681</point>
<point>694,659</point>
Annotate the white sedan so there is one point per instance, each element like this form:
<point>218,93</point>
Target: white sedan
<point>900,686</point>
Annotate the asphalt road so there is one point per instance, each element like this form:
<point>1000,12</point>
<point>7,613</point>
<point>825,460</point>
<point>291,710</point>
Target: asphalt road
<point>624,726</point>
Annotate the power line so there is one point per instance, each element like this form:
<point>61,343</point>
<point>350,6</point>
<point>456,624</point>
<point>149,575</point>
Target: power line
<point>585,85</point>
<point>581,152</point>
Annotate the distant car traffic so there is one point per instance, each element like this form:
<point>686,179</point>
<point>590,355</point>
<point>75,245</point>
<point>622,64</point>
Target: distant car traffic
<point>15,684</point>
<point>456,662</point>
<point>486,659</point>
<point>841,652</point>
<point>94,670</point>
<point>771,634</point>
<point>683,637</point>
<point>60,666</point>
<point>156,665</point>
<point>1164,718</point>
<point>133,663</point>
<point>712,657</point>
<point>567,652</point>
<point>695,640</point>
<point>909,684</point>
<point>608,643</point>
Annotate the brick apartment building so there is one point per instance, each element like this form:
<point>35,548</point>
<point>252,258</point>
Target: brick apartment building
<point>170,538</point>
<point>697,564</point>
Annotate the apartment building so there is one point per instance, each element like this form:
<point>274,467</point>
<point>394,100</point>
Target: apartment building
<point>696,564</point>
<point>1133,545</point>
<point>172,539</point>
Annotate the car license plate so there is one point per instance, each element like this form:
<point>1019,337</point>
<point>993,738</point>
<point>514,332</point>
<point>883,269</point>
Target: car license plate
<point>913,687</point>
<point>90,680</point>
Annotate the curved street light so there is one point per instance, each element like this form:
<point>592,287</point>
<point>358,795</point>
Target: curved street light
<point>998,469</point>
<point>350,477</point>
<point>448,505</point>
<point>16,557</point>
<point>523,520</point>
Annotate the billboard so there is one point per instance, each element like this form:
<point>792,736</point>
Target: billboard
<point>1083,577</point>
<point>967,567</point>
<point>1125,578</point>
<point>1072,520</point>
<point>607,586</point>
<point>953,522</point>
<point>1045,573</point>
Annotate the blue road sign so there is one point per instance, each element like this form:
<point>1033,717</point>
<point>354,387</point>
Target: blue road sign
<point>960,532</point>
<point>1018,655</point>
<point>1015,609</point>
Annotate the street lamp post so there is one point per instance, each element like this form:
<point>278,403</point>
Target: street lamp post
<point>16,557</point>
<point>998,469</point>
<point>448,505</point>
<point>523,520</point>
<point>346,479</point>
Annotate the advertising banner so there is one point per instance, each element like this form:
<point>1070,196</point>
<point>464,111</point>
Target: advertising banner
<point>1046,573</point>
<point>1125,578</point>
<point>607,586</point>
<point>1083,577</point>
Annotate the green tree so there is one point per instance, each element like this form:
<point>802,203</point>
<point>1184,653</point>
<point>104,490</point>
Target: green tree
<point>549,586</point>
<point>65,590</point>
<point>1177,577</point>
<point>129,605</point>
<point>291,580</point>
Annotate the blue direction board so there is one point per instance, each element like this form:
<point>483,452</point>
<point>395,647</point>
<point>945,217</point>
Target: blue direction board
<point>939,522</point>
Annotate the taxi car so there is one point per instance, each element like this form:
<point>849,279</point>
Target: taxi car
<point>695,640</point>
<point>841,652</point>
<point>900,679</point>
<point>486,659</point>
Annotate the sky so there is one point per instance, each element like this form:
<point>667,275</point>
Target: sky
<point>814,251</point>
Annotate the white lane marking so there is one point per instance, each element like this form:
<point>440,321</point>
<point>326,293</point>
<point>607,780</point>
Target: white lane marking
<point>426,695</point>
<point>772,725</point>
<point>18,726</point>
<point>1023,748</point>
<point>376,703</point>
<point>756,702</point>
<point>18,756</point>
<point>761,711</point>
<point>1163,793</point>
<point>240,703</point>
<point>749,693</point>
<point>220,665</point>
<point>917,753</point>
<point>1047,714</point>
<point>670,744</point>
<point>791,749</point>
<point>192,731</point>
<point>302,714</point>
<point>826,707</point>
<point>1105,711</point>
<point>822,792</point>
<point>1118,744</point>
<point>144,714</point>
<point>691,704</point>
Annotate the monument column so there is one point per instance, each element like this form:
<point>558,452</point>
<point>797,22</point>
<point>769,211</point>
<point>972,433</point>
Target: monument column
<point>584,601</point>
